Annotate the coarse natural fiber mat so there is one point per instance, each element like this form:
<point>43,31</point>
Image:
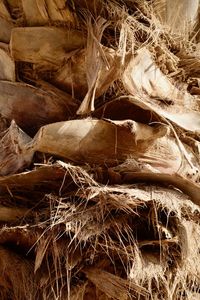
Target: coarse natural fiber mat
<point>99,150</point>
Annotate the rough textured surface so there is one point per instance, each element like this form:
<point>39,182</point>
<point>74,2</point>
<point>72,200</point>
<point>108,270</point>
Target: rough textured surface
<point>99,150</point>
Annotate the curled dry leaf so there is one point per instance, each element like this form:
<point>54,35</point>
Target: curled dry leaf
<point>144,77</point>
<point>44,46</point>
<point>4,47</point>
<point>32,107</point>
<point>186,186</point>
<point>123,221</point>
<point>124,108</point>
<point>45,178</point>
<point>155,92</point>
<point>127,174</point>
<point>96,141</point>
<point>165,155</point>
<point>30,180</point>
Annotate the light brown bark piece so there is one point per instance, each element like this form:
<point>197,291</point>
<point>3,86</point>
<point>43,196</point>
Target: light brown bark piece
<point>44,46</point>
<point>7,66</point>
<point>96,141</point>
<point>5,32</point>
<point>33,107</point>
<point>153,91</point>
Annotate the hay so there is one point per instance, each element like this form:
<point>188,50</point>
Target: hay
<point>104,206</point>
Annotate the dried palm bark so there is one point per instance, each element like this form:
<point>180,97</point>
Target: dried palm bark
<point>46,47</point>
<point>7,66</point>
<point>28,113</point>
<point>144,78</point>
<point>6,28</point>
<point>117,217</point>
<point>13,154</point>
<point>72,77</point>
<point>131,203</point>
<point>42,12</point>
<point>6,23</point>
<point>95,141</point>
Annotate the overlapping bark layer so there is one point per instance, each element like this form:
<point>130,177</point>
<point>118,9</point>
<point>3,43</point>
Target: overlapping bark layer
<point>99,150</point>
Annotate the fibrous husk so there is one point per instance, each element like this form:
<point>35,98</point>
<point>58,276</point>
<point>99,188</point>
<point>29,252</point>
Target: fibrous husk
<point>46,47</point>
<point>122,220</point>
<point>42,12</point>
<point>32,107</point>
<point>89,72</point>
<point>72,76</point>
<point>190,62</point>
<point>113,216</point>
<point>179,15</point>
<point>20,273</point>
<point>13,154</point>
<point>95,7</point>
<point>143,76</point>
<point>95,62</point>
